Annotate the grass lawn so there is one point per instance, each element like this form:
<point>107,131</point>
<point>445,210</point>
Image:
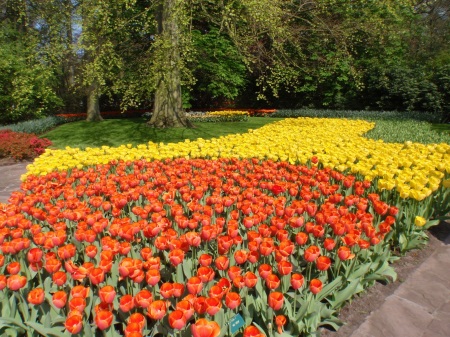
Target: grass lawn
<point>115,132</point>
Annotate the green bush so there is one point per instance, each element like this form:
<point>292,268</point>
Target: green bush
<point>358,114</point>
<point>38,126</point>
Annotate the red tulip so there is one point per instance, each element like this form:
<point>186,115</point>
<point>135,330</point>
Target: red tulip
<point>312,253</point>
<point>36,296</point>
<point>103,319</point>
<point>222,262</point>
<point>187,308</point>
<point>232,300</point>
<point>275,300</point>
<point>205,328</point>
<point>157,310</point>
<point>107,294</point>
<point>194,285</point>
<point>16,282</point>
<point>323,263</point>
<point>264,270</point>
<point>272,281</point>
<point>301,238</point>
<point>252,331</point>
<point>59,299</point>
<point>205,260</point>
<point>280,321</point>
<point>126,303</point>
<point>143,298</point>
<point>13,268</point>
<point>166,290</point>
<point>177,320</point>
<point>74,322</point>
<point>315,286</point>
<point>344,253</point>
<point>250,279</point>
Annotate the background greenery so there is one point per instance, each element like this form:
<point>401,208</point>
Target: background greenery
<point>361,55</point>
<point>115,132</point>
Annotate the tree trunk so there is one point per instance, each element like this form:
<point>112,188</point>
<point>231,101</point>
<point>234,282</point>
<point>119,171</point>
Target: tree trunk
<point>168,108</point>
<point>93,105</point>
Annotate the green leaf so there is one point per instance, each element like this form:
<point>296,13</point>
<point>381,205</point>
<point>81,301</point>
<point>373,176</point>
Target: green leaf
<point>48,331</point>
<point>339,298</point>
<point>330,287</point>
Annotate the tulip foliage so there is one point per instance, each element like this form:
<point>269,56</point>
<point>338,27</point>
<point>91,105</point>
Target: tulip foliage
<point>183,246</point>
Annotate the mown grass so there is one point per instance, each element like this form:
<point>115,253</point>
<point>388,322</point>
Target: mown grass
<point>115,132</point>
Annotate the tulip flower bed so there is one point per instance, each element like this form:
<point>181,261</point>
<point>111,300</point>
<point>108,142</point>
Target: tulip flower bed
<point>185,246</point>
<point>266,233</point>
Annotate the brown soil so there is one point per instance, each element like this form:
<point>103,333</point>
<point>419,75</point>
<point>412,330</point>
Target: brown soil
<point>354,313</point>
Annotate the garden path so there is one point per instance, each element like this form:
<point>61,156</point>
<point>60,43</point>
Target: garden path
<point>419,307</point>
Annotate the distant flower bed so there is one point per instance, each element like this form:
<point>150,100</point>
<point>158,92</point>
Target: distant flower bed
<point>19,145</point>
<point>219,116</point>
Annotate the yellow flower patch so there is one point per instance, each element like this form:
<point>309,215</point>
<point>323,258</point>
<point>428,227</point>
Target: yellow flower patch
<point>415,170</point>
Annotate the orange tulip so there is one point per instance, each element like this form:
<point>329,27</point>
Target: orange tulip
<point>36,296</point>
<point>13,268</point>
<point>301,238</point>
<point>222,262</point>
<point>205,260</point>
<point>16,282</point>
<point>77,303</point>
<point>157,310</point>
<point>59,299</point>
<point>137,318</point>
<point>272,281</point>
<point>194,285</point>
<point>275,300</point>
<point>280,321</point>
<point>107,294</point>
<point>232,300</point>
<point>59,278</point>
<point>74,322</point>
<point>264,270</point>
<point>252,331</point>
<point>166,290</point>
<point>143,298</point>
<point>344,253</point>
<point>187,308</point>
<point>323,263</point>
<point>103,319</point>
<point>177,320</point>
<point>312,253</point>
<point>205,328</point>
<point>315,286</point>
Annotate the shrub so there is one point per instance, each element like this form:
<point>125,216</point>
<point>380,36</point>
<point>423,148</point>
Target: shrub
<point>19,145</point>
<point>358,114</point>
<point>38,126</point>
